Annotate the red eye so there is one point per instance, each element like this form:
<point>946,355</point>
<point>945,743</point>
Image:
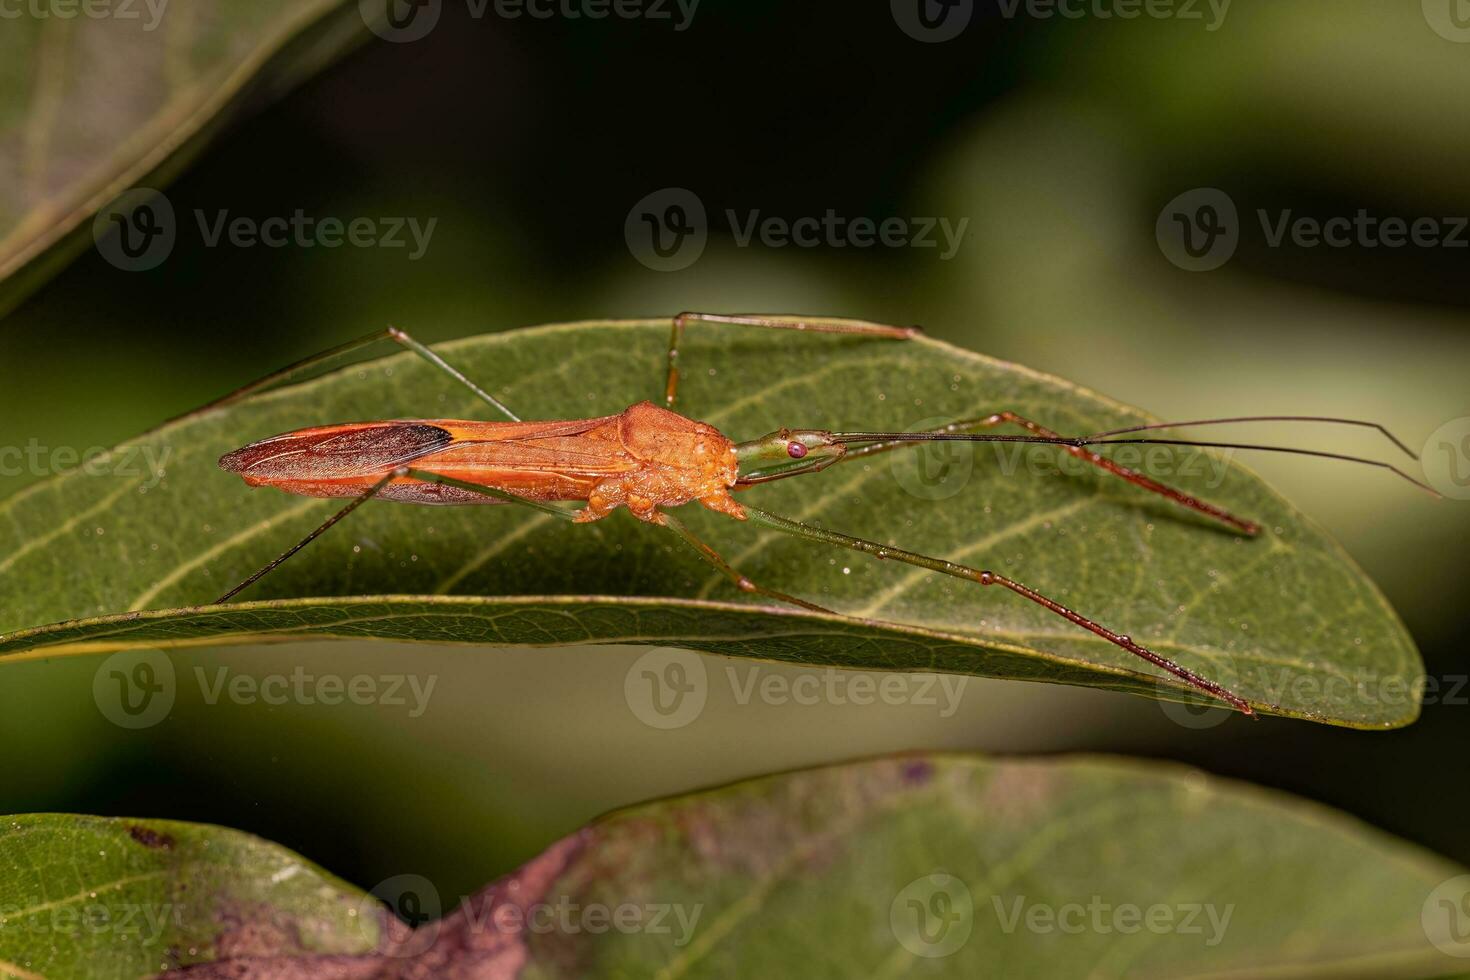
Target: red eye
<point>795,450</point>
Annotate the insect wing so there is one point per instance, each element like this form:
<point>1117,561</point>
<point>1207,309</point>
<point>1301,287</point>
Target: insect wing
<point>338,451</point>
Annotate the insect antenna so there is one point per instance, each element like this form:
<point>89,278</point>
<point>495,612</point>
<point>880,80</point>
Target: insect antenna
<point>1109,439</point>
<point>1263,418</point>
<point>1292,450</point>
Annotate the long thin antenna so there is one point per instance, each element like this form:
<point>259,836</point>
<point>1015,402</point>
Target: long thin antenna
<point>861,437</point>
<point>1263,418</point>
<point>1321,454</point>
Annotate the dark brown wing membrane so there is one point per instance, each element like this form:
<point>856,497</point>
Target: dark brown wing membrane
<point>336,452</point>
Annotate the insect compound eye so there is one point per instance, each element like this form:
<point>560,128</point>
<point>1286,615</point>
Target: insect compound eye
<point>795,450</point>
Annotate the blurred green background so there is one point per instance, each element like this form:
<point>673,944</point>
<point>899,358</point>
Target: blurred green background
<point>1061,140</point>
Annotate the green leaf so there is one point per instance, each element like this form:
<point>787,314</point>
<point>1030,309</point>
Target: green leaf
<point>93,897</point>
<point>1285,620</point>
<point>91,106</point>
<point>923,866</point>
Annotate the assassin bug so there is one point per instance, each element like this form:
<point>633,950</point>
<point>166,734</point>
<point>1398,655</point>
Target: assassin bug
<point>650,459</point>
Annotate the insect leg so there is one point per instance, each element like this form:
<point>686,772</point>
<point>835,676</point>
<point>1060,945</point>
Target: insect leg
<point>668,520</point>
<point>270,566</point>
<point>373,491</point>
<point>983,577</point>
<point>806,324</point>
<point>1085,453</point>
<point>741,582</point>
<point>564,513</point>
<point>399,337</point>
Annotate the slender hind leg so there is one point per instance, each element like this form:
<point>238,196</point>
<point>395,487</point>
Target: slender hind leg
<point>1085,453</point>
<point>399,337</point>
<point>377,488</point>
<point>984,577</point>
<point>741,582</point>
<point>271,565</point>
<point>819,324</point>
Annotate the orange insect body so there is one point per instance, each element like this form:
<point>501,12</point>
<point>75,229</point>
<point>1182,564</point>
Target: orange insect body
<point>643,458</point>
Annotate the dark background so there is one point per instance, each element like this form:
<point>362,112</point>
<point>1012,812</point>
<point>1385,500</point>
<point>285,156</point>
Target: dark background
<point>530,140</point>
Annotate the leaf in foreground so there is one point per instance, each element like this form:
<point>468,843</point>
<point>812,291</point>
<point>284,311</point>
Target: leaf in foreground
<point>922,866</point>
<point>91,896</point>
<point>91,106</point>
<point>1286,620</point>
